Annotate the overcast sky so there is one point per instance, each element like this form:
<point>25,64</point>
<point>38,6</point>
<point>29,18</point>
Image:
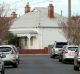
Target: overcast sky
<point>19,5</point>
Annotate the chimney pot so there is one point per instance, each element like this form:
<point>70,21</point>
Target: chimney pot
<point>27,8</point>
<point>13,14</point>
<point>50,11</point>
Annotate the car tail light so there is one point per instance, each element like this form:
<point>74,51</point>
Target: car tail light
<point>65,51</point>
<point>78,59</point>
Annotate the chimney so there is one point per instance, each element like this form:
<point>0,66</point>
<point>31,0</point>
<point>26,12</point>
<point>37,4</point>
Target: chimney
<point>51,11</point>
<point>13,15</point>
<point>27,8</point>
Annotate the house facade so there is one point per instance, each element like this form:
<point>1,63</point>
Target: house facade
<point>38,28</point>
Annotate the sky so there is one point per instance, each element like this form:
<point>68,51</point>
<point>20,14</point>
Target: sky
<point>18,5</point>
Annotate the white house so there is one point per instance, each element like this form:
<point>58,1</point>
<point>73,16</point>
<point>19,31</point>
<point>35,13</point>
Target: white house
<point>38,28</point>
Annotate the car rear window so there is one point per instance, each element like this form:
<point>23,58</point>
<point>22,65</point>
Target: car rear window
<point>5,49</point>
<point>72,48</point>
<point>60,44</point>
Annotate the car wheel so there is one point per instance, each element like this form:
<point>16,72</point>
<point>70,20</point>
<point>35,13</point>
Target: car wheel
<point>63,61</point>
<point>15,65</point>
<point>18,62</point>
<point>60,60</point>
<point>54,56</point>
<point>51,56</point>
<point>76,68</point>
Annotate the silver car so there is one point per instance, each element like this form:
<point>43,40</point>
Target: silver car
<point>67,53</point>
<point>55,50</point>
<point>77,59</point>
<point>11,55</point>
<point>2,71</point>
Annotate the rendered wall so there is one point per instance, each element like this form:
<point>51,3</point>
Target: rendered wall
<point>49,35</point>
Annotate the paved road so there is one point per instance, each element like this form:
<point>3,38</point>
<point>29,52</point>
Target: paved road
<point>41,64</point>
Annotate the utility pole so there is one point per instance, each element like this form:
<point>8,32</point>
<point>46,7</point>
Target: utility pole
<point>69,8</point>
<point>69,15</point>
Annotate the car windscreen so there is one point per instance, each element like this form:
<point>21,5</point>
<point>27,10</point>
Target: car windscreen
<point>60,44</point>
<point>72,48</point>
<point>5,49</point>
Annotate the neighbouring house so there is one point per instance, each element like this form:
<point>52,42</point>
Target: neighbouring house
<point>38,28</point>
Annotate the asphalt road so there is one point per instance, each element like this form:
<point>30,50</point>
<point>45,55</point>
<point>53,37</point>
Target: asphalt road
<point>40,64</point>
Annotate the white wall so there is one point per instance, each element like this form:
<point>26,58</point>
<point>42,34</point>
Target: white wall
<point>39,38</point>
<point>45,37</point>
<point>49,35</point>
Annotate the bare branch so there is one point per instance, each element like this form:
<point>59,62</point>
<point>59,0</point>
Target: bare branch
<point>71,29</point>
<point>4,21</point>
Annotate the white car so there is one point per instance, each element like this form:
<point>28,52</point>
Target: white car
<point>2,71</point>
<point>77,59</point>
<point>68,53</point>
<point>56,48</point>
<point>11,55</point>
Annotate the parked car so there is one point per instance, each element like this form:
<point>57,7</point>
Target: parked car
<point>67,53</point>
<point>11,55</point>
<point>50,50</point>
<point>56,48</point>
<point>77,59</point>
<point>2,71</point>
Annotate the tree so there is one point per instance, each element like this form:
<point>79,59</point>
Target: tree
<point>4,22</point>
<point>71,29</point>
<point>11,39</point>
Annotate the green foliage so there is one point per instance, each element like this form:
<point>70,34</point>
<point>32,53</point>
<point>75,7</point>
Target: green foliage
<point>12,39</point>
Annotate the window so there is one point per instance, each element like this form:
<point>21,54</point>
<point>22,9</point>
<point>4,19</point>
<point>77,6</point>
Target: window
<point>72,48</point>
<point>60,44</point>
<point>5,49</point>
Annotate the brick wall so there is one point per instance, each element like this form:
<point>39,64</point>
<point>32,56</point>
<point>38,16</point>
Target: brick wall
<point>34,51</point>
